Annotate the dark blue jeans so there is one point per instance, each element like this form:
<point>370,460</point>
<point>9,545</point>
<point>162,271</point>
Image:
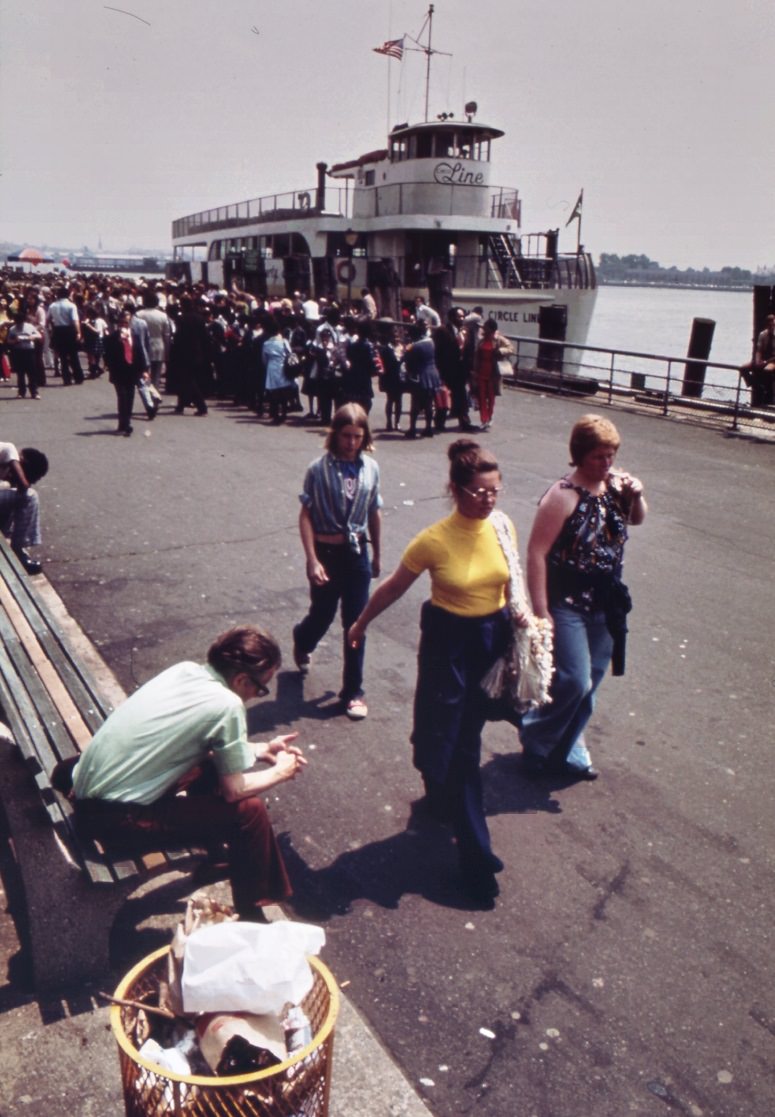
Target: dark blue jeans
<point>349,576</point>
<point>450,710</point>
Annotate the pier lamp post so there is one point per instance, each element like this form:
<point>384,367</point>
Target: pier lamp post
<point>351,239</point>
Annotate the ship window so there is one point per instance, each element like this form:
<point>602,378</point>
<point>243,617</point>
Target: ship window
<point>369,178</point>
<point>424,145</point>
<point>215,250</point>
<point>446,147</point>
<point>398,150</point>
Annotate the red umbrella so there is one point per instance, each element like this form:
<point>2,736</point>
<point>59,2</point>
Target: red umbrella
<point>31,256</point>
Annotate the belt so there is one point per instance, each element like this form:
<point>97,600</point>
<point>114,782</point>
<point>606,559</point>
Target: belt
<point>332,540</point>
<point>336,540</point>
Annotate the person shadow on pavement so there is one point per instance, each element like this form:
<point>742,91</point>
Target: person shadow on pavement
<point>419,860</point>
<point>507,790</point>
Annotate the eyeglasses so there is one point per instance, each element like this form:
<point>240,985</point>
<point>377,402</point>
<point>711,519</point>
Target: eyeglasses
<point>482,494</point>
<point>261,689</point>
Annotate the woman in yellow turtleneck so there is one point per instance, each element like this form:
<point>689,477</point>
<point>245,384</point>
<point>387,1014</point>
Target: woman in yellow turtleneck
<point>464,629</point>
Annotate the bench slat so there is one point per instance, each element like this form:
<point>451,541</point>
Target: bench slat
<point>27,725</point>
<point>43,667</point>
<point>79,681</point>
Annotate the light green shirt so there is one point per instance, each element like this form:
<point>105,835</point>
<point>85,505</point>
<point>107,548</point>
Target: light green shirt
<point>161,732</point>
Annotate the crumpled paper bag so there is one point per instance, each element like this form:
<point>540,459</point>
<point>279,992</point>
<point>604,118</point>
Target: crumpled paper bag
<point>248,967</point>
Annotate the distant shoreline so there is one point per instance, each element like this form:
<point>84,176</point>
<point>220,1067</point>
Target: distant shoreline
<point>748,287</point>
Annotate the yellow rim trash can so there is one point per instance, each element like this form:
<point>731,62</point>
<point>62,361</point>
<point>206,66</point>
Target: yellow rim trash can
<point>298,1087</point>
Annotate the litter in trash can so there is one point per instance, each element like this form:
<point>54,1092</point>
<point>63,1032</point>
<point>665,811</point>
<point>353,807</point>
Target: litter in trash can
<point>269,1064</point>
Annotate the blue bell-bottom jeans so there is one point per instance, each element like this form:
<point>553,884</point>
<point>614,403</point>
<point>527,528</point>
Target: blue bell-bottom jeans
<point>582,653</point>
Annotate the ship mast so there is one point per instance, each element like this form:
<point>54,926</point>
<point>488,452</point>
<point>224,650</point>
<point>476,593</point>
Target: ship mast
<point>428,53</point>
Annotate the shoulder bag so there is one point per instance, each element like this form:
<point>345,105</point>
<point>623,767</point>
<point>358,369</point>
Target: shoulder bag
<point>523,674</point>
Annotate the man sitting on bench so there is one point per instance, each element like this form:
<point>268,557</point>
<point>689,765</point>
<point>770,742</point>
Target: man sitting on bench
<point>759,374</point>
<point>173,766</point>
<point>19,508</point>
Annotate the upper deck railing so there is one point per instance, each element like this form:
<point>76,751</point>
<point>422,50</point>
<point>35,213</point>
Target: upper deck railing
<point>502,202</point>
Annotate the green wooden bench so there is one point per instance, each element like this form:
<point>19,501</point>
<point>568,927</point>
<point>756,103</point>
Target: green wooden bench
<point>52,702</point>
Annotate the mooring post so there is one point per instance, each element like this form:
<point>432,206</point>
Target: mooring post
<point>699,348</point>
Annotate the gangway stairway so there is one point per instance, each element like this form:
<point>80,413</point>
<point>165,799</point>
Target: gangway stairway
<point>502,251</point>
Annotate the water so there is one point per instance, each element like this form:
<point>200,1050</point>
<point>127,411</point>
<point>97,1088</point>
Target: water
<point>659,320</point>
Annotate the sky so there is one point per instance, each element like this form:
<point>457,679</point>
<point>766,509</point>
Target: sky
<point>118,118</point>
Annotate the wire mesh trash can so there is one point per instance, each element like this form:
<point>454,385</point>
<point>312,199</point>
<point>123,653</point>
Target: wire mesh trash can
<point>298,1087</point>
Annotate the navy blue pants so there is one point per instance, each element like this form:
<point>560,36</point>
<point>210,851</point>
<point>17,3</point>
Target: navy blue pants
<point>450,710</point>
<point>349,576</point>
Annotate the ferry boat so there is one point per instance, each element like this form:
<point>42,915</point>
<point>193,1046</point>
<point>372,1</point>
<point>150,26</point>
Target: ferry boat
<point>418,217</point>
<point>83,262</point>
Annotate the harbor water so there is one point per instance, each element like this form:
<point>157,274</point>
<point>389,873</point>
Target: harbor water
<point>659,320</point>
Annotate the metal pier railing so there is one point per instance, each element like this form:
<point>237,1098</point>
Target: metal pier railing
<point>667,385</point>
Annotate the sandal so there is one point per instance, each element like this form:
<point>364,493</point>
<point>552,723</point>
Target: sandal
<point>356,709</point>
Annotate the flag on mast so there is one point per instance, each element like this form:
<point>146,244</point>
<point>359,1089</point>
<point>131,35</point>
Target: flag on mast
<point>393,48</point>
<point>576,209</point>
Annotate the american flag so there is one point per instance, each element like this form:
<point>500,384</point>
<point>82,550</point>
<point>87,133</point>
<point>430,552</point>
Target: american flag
<point>393,48</point>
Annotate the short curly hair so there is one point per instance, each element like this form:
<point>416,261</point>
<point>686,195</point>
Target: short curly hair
<point>34,463</point>
<point>244,648</point>
<point>590,432</point>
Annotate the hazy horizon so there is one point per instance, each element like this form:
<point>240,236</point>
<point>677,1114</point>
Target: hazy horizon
<point>118,120</point>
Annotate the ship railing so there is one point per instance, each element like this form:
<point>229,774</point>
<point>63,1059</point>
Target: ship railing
<point>705,391</point>
<point>438,199</point>
<point>269,207</point>
<point>569,271</point>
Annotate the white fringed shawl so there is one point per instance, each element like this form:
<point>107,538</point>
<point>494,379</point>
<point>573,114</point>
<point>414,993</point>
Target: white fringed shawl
<point>523,674</point>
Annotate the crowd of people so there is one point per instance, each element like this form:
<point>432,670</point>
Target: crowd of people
<point>197,343</point>
<point>127,786</point>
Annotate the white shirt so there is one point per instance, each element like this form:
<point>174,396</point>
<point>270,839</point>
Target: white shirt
<point>427,314</point>
<point>8,454</point>
<point>63,313</point>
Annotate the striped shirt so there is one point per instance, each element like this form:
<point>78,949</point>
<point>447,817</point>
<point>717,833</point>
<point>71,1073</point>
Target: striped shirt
<point>326,497</point>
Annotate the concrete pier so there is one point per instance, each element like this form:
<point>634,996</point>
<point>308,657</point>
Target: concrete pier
<point>627,966</point>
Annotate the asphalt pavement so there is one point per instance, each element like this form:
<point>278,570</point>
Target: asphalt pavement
<point>627,965</point>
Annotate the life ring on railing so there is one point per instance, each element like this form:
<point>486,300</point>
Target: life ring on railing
<point>345,271</point>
